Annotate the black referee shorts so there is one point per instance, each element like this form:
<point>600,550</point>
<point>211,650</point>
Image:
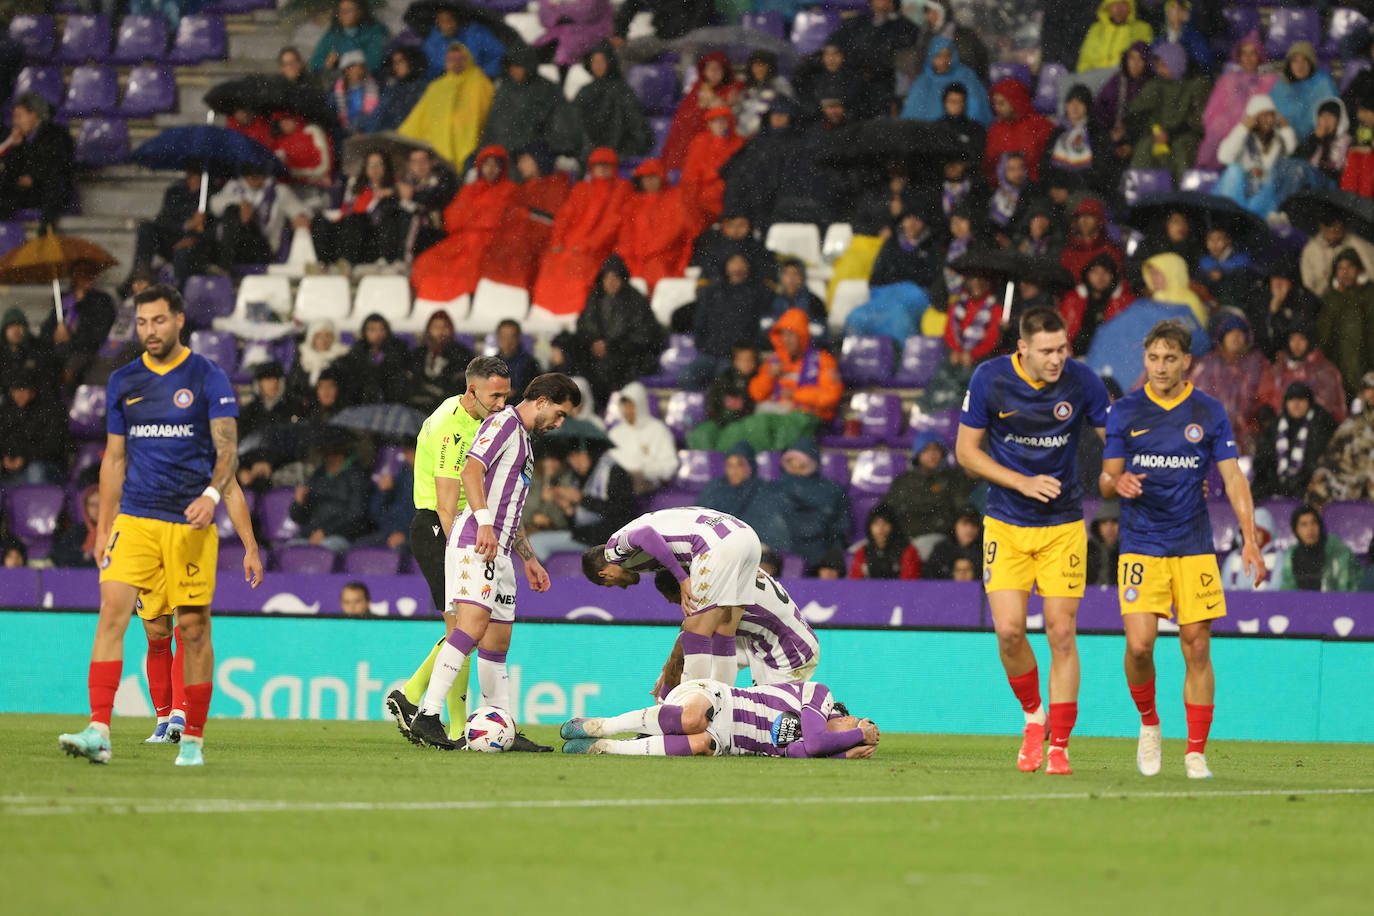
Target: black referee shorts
<point>427,546</point>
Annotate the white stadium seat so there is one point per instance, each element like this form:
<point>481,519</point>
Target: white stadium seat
<point>322,298</point>
<point>387,296</point>
<point>493,303</point>
<point>800,240</point>
<point>670,294</point>
<point>275,291</point>
<point>849,295</point>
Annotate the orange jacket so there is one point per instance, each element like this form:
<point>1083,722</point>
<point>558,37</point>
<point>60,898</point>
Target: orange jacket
<point>811,380</point>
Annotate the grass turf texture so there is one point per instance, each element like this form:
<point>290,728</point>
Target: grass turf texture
<point>933,822</point>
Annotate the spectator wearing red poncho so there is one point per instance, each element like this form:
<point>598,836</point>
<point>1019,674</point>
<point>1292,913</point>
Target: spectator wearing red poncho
<point>715,85</point>
<point>1099,297</point>
<point>527,224</point>
<point>1089,238</point>
<point>584,233</point>
<point>1017,129</point>
<point>253,126</point>
<point>305,150</point>
<point>656,232</point>
<point>451,268</point>
<point>702,187</point>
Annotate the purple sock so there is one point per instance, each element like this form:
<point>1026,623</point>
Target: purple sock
<point>670,720</point>
<point>723,645</point>
<point>461,641</point>
<point>677,746</point>
<point>488,655</point>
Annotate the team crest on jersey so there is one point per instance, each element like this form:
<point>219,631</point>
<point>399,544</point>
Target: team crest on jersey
<point>1063,410</point>
<point>183,397</point>
<point>1131,594</point>
<point>1192,432</point>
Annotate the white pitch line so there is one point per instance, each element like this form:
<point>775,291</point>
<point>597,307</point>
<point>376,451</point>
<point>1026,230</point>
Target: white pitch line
<point>39,805</point>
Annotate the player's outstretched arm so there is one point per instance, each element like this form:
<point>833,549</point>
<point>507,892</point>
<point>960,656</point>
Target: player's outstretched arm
<point>1243,504</point>
<point>237,507</point>
<point>968,451</point>
<point>111,490</point>
<point>474,485</point>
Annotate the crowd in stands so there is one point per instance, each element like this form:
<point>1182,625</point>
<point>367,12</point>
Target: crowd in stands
<point>563,169</point>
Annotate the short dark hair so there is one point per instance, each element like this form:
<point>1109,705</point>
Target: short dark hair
<point>1040,318</point>
<point>483,367</point>
<point>555,386</point>
<point>357,586</point>
<point>593,561</point>
<point>161,291</point>
<point>1172,331</point>
<point>509,323</point>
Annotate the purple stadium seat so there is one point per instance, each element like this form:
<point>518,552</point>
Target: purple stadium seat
<point>874,470</point>
<point>208,298</point>
<point>152,89</point>
<point>880,420</point>
<point>681,350</point>
<point>944,422</point>
<point>1199,180</point>
<point>1137,184</point>
<point>1009,71</point>
<point>685,410</point>
<point>85,38</point>
<point>102,142</point>
<point>222,523</point>
<point>1240,21</point>
<point>920,358</point>
<point>835,466</point>
<point>86,420</point>
<point>277,526</point>
<point>1046,99</point>
<point>33,511</point>
<point>696,469</point>
<point>769,22</point>
<point>199,38</point>
<point>88,455</point>
<point>37,33</point>
<point>220,347</point>
<point>1352,522</point>
<point>504,6</point>
<point>230,557</point>
<point>810,29</point>
<point>1224,524</point>
<point>1352,69</point>
<point>372,561</point>
<point>1344,23</point>
<point>1290,24</point>
<point>670,498</point>
<point>659,124</point>
<point>140,38</point>
<point>860,504</point>
<point>12,235</point>
<point>866,360</point>
<point>563,563</point>
<point>655,86</point>
<point>93,90</point>
<point>390,459</point>
<point>793,565</point>
<point>45,81</point>
<point>306,558</point>
<point>226,7</point>
<point>1281,508</point>
<point>770,465</point>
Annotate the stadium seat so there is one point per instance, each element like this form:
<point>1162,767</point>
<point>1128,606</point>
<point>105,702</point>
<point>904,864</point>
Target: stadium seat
<point>920,358</point>
<point>671,294</point>
<point>229,558</point>
<point>389,461</point>
<point>274,292</point>
<point>1240,21</point>
<point>1353,523</point>
<point>33,511</point>
<point>837,239</point>
<point>670,498</point>
<point>12,235</point>
<point>1006,70</point>
<point>1281,508</point>
<point>660,125</point>
<point>226,7</point>
<point>811,28</point>
<point>424,309</point>
<point>798,240</point>
<point>563,563</point>
<point>849,295</point>
<point>1137,184</point>
<point>84,39</point>
<point>679,353</point>
<point>793,565</point>
<point>86,419</point>
<point>322,298</point>
<point>685,410</point>
<point>220,347</point>
<point>306,559</point>
<point>770,465</point>
<point>1344,23</point>
<point>835,465</point>
<point>641,26</point>
<point>526,25</point>
<point>546,322</point>
<point>372,561</point>
<point>769,22</point>
<point>943,422</point>
<point>655,85</point>
<point>866,360</point>
<point>45,81</point>
<point>102,142</point>
<point>386,296</point>
<point>879,417</point>
<point>223,525</point>
<point>696,469</point>
<point>199,38</point>
<point>1290,24</point>
<point>577,78</point>
<point>277,526</point>
<point>860,504</point>
<point>1046,99</point>
<point>1199,180</point>
<point>493,303</point>
<point>152,89</point>
<point>207,298</point>
<point>874,470</point>
<point>37,33</point>
<point>93,90</point>
<point>140,38</point>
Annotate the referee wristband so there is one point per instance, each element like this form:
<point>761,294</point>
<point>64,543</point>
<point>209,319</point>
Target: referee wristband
<point>213,494</point>
<point>484,517</point>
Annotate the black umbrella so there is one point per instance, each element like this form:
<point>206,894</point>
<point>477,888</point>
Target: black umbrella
<point>1005,264</point>
<point>1206,210</point>
<point>419,17</point>
<point>392,420</point>
<point>736,42</point>
<point>268,94</point>
<point>1308,209</point>
<point>878,142</point>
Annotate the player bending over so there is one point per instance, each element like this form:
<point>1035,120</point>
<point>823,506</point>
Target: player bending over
<point>1161,440</point>
<point>479,579</point>
<point>713,556</point>
<point>1030,407</point>
<point>708,718</point>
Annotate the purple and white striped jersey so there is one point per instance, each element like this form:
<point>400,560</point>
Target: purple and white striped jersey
<point>502,446</point>
<point>775,629</point>
<point>753,710</point>
<point>670,539</point>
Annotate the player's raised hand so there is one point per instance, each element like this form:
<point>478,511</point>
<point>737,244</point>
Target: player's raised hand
<point>201,512</point>
<point>1041,487</point>
<point>1128,485</point>
<point>252,569</point>
<point>486,542</point>
<point>536,574</point>
<point>1253,561</point>
<point>870,732</point>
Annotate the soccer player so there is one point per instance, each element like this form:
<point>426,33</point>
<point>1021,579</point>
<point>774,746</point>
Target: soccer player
<point>713,556</point>
<point>166,684</point>
<point>773,639</point>
<point>1029,408</point>
<point>479,579</point>
<point>171,451</point>
<point>708,718</point>
<point>1161,440</point>
<point>440,450</point>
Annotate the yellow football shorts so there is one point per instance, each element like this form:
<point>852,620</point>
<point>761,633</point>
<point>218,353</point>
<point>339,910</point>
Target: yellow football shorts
<point>1190,585</point>
<point>171,565</point>
<point>1053,558</point>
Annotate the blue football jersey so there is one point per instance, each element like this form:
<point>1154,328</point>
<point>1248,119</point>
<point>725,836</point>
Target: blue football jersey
<point>1173,444</point>
<point>164,415</point>
<point>1033,428</point>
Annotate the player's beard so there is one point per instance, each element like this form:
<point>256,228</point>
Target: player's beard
<point>157,348</point>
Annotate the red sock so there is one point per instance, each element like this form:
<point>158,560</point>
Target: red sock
<point>159,667</point>
<point>1199,724</point>
<point>1027,689</point>
<point>1062,718</point>
<point>1144,696</point>
<point>178,675</point>
<point>197,708</point>
<point>103,682</point>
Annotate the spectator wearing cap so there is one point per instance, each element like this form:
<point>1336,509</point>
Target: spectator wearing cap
<point>179,234</point>
<point>1317,561</point>
<point>1235,374</point>
<point>886,551</point>
<point>1165,118</point>
<point>584,234</point>
<point>910,255</point>
<point>1291,444</point>
<point>1115,30</point>
<point>402,90</point>
<point>963,544</point>
<point>453,111</point>
<point>22,354</point>
<point>351,28</point>
<point>746,496</point>
<point>528,108</point>
<point>817,508</point>
<point>1301,89</point>
<point>34,447</point>
<point>793,293</point>
<point>438,364</point>
<point>608,109</point>
<point>483,48</point>
<point>1089,238</point>
<point>1017,128</point>
<point>1346,471</point>
<point>1301,360</point>
<point>926,498</point>
<point>355,94</point>
<point>1104,543</point>
<point>943,69</point>
<point>88,314</point>
<point>37,162</point>
<point>1233,575</point>
<point>1345,324</point>
<point>265,416</point>
<point>1249,153</point>
<point>1319,254</point>
<point>1100,296</point>
<point>253,212</point>
<point>1178,28</point>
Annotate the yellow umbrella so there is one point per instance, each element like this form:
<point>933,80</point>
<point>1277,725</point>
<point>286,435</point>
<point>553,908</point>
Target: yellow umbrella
<point>52,257</point>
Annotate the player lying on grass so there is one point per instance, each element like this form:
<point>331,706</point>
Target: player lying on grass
<point>773,640</point>
<point>713,556</point>
<point>711,719</point>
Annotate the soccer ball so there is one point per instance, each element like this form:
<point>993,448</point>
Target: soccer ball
<point>490,729</point>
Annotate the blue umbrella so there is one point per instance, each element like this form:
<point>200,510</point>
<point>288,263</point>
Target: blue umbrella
<point>217,148</point>
<point>1118,348</point>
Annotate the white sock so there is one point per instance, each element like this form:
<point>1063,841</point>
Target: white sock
<point>644,721</point>
<point>1039,717</point>
<point>178,713</point>
<point>697,667</point>
<point>724,669</point>
<point>638,747</point>
<point>494,679</point>
<point>446,667</point>
<point>163,720</point>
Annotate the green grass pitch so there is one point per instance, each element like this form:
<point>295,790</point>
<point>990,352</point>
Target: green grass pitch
<point>342,818</point>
